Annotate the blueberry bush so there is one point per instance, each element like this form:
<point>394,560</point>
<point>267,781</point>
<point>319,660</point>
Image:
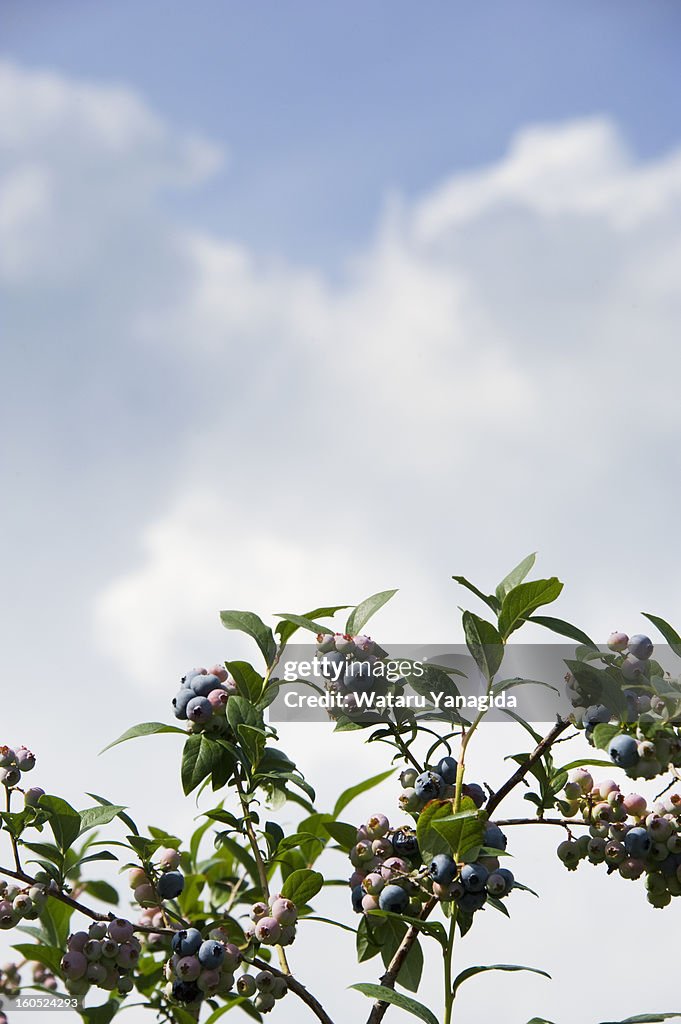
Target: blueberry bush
<point>215,916</point>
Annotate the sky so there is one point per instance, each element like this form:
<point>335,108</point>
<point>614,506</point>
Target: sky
<point>304,302</point>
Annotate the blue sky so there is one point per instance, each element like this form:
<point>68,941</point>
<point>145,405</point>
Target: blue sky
<point>302,302</point>
<point>322,107</point>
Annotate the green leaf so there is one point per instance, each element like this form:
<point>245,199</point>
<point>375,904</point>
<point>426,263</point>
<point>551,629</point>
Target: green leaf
<point>50,956</point>
<point>249,683</point>
<point>580,762</point>
<point>563,629</point>
<point>92,817</point>
<point>101,890</point>
<point>344,833</point>
<point>144,729</point>
<point>470,972</point>
<point>406,1003</point>
<point>64,820</point>
<point>304,622</point>
<point>102,1014</point>
<point>540,1020</point>
<point>515,576</point>
<point>647,1018</point>
<point>668,632</point>
<point>603,734</point>
<point>124,817</point>
<point>462,830</point>
<point>360,615</point>
<point>252,624</point>
<point>490,600</point>
<point>302,886</point>
<point>520,602</point>
<point>349,795</point>
<point>509,684</point>
<point>430,841</point>
<point>432,928</point>
<point>199,757</point>
<point>287,628</point>
<point>484,643</point>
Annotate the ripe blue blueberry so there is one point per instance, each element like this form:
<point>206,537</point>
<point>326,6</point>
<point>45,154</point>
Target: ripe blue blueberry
<point>623,751</point>
<point>640,646</point>
<point>494,838</point>
<point>199,710</point>
<point>394,899</point>
<point>597,714</point>
<point>202,685</point>
<point>637,842</point>
<point>357,897</point>
<point>186,991</point>
<point>404,843</point>
<point>633,668</point>
<point>472,901</point>
<point>447,767</point>
<point>186,942</point>
<point>474,877</point>
<point>170,885</point>
<point>25,759</point>
<point>211,954</point>
<point>7,757</point>
<point>442,869</point>
<point>475,792</point>
<point>429,785</point>
<point>180,701</point>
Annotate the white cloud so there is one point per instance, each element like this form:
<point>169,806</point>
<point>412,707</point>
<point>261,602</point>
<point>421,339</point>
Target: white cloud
<point>496,372</point>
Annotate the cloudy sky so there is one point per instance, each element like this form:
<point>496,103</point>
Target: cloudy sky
<point>303,302</point>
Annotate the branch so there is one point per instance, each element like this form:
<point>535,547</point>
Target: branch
<point>395,965</point>
<point>518,776</point>
<point>295,987</point>
<point>564,822</point>
<point>21,876</point>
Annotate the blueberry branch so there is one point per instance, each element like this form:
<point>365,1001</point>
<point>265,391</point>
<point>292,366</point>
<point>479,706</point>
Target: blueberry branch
<point>379,1008</point>
<point>295,987</point>
<point>15,845</point>
<point>536,755</point>
<point>564,822</point>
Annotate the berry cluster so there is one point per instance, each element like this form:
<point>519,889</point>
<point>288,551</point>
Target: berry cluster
<point>200,967</point>
<point>13,763</point>
<point>389,874</point>
<point>105,956</point>
<point>10,981</point>
<point>164,882</point>
<point>264,986</point>
<point>17,903</point>
<point>625,835</point>
<point>43,977</point>
<point>437,783</point>
<point>203,696</point>
<point>350,665</point>
<point>274,924</point>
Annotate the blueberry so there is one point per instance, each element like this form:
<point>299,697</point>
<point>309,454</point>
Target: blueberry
<point>597,714</point>
<point>640,646</point>
<point>332,665</point>
<point>442,869</point>
<point>7,757</point>
<point>74,965</point>
<point>202,685</point>
<point>404,843</point>
<point>474,877</point>
<point>186,942</point>
<point>494,838</point>
<point>199,710</point>
<point>377,826</point>
<point>618,641</point>
<point>508,877</point>
<point>10,776</point>
<point>637,842</point>
<point>120,930</point>
<point>357,897</point>
<point>472,901</point>
<point>180,701</point>
<point>623,751</point>
<point>447,768</point>
<point>246,986</point>
<point>25,759</point>
<point>633,668</point>
<point>394,899</point>
<point>475,792</point>
<point>408,777</point>
<point>284,911</point>
<point>429,785</point>
<point>268,930</point>
<point>186,991</point>
<point>211,954</point>
<point>170,885</point>
<point>32,796</point>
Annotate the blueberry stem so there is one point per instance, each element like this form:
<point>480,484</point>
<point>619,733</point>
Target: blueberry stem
<point>15,845</point>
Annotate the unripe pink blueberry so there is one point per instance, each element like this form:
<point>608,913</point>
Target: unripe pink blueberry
<point>268,930</point>
<point>121,930</point>
<point>188,968</point>
<point>284,911</point>
<point>369,903</point>
<point>96,973</point>
<point>394,866</point>
<point>635,805</point>
<point>218,699</point>
<point>76,943</point>
<point>259,910</point>
<point>127,956</point>
<point>208,981</point>
<point>146,895</point>
<point>220,671</point>
<point>169,858</point>
<point>633,668</point>
<point>7,756</point>
<point>618,641</point>
<point>137,877</point>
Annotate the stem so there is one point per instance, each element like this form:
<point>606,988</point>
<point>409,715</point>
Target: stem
<point>563,822</point>
<point>536,755</point>
<point>295,987</point>
<point>15,846</point>
<point>379,1008</point>
<point>449,995</point>
<point>257,856</point>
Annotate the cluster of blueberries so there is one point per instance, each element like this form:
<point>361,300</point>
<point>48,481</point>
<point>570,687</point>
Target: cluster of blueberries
<point>200,967</point>
<point>389,871</point>
<point>437,783</point>
<point>350,664</point>
<point>10,981</point>
<point>167,885</point>
<point>203,695</point>
<point>650,744</point>
<point>17,903</point>
<point>273,923</point>
<point>625,835</point>
<point>13,763</point>
<point>105,956</point>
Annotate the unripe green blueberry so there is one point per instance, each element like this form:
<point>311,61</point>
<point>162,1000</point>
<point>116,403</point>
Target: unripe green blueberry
<point>572,791</point>
<point>409,801</point>
<point>263,1002</point>
<point>602,813</point>
<point>583,778</point>
<point>567,853</point>
<point>648,769</point>
<point>288,934</point>
<point>615,853</point>
<point>674,886</point>
<point>93,950</point>
<point>655,883</point>
<point>659,852</point>
<point>209,981</point>
<point>264,981</point>
<point>10,777</point>
<point>659,900</point>
<point>77,986</point>
<point>377,826</point>
<point>125,985</point>
<point>596,851</point>
<point>23,904</point>
<point>674,843</point>
<point>599,831</point>
<point>109,949</point>
<point>582,845</point>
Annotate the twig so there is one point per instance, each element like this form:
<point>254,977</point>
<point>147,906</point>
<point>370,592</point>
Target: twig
<point>379,1008</point>
<point>536,755</point>
<point>564,822</point>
